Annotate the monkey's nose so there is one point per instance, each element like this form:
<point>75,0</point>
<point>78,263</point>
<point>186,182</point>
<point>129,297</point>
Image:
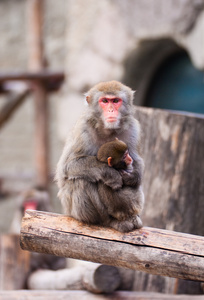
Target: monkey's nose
<point>110,109</point>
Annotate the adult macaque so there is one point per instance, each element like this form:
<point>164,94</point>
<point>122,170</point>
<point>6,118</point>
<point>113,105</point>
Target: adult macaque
<point>127,202</point>
<point>109,115</point>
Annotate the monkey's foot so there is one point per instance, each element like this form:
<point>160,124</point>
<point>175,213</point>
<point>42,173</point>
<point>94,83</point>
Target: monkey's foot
<point>137,222</point>
<point>132,223</point>
<point>122,226</point>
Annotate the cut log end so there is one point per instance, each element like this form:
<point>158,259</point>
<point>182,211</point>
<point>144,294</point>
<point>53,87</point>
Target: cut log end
<point>102,279</point>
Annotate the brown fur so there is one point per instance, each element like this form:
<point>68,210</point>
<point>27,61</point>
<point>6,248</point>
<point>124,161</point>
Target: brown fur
<point>114,149</point>
<point>81,177</point>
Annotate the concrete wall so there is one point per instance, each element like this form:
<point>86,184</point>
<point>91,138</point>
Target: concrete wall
<point>16,137</point>
<point>101,36</point>
<point>91,41</point>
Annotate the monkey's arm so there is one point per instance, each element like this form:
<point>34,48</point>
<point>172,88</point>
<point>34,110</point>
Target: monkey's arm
<point>90,169</point>
<point>134,178</point>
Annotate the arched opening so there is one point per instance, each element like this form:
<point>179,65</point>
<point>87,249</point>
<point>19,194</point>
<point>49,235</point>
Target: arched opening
<point>177,85</point>
<point>163,76</point>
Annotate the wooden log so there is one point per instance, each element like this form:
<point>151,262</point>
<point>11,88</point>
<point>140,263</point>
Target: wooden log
<point>14,263</point>
<point>172,148</point>
<point>174,167</point>
<point>84,295</point>
<point>99,278</point>
<point>151,250</point>
<point>95,278</point>
<point>64,279</point>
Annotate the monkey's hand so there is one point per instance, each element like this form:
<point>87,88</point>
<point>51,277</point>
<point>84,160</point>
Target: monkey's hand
<point>111,177</point>
<point>133,178</point>
<point>89,168</point>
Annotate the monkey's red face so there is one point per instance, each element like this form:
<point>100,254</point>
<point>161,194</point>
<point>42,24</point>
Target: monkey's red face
<point>110,105</point>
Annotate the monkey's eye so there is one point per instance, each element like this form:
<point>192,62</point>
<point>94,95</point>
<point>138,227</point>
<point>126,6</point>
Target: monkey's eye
<point>116,100</point>
<point>125,154</point>
<point>104,100</point>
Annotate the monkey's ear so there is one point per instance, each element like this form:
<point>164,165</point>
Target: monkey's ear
<point>88,100</point>
<point>110,161</point>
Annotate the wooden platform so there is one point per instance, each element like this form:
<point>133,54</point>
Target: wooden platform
<point>83,295</point>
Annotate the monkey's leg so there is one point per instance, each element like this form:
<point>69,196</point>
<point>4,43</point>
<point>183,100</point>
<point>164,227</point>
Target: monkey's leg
<point>81,201</point>
<point>123,206</point>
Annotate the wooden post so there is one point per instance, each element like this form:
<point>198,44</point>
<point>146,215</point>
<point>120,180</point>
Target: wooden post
<point>35,23</point>
<point>151,250</point>
<point>14,263</point>
<point>36,63</point>
<point>172,148</point>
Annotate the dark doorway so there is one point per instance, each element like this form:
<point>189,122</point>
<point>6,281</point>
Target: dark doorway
<point>177,85</point>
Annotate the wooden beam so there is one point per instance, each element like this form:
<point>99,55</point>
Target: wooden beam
<point>32,75</point>
<point>151,250</point>
<point>51,81</point>
<point>84,295</point>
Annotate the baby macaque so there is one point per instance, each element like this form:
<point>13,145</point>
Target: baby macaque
<point>116,154</point>
<point>127,202</point>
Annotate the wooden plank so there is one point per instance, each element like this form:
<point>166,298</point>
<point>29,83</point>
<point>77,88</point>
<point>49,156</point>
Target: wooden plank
<point>150,250</point>
<point>14,263</point>
<point>51,81</point>
<point>42,75</point>
<point>83,295</point>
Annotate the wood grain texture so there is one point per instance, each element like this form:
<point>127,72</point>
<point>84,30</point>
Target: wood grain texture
<point>14,263</point>
<point>150,250</point>
<point>84,295</point>
<point>172,148</point>
<point>93,277</point>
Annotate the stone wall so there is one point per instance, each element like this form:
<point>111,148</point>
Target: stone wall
<point>91,41</point>
<point>16,137</point>
<point>101,37</point>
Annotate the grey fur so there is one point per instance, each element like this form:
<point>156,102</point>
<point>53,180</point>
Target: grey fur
<point>80,175</point>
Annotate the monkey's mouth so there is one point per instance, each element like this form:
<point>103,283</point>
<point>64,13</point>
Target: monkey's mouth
<point>111,119</point>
